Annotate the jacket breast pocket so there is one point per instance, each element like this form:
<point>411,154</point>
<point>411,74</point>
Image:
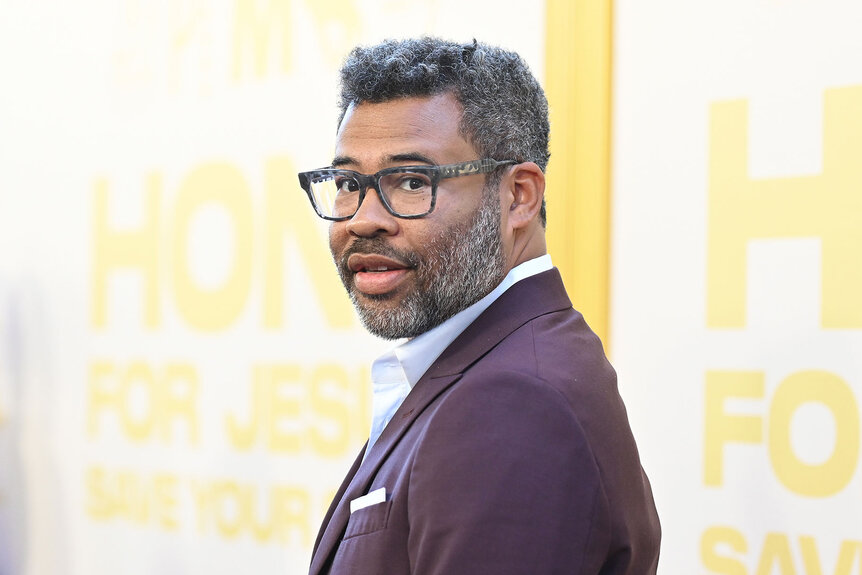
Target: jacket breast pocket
<point>368,520</point>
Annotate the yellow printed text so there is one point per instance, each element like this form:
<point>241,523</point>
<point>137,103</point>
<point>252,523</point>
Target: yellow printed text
<point>158,249</point>
<point>827,206</point>
<point>723,429</point>
<point>276,513</point>
<point>321,409</point>
<point>133,497</point>
<point>144,402</point>
<point>726,551</point>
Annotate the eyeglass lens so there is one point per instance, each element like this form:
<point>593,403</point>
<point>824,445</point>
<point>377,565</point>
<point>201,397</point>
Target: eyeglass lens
<point>407,192</point>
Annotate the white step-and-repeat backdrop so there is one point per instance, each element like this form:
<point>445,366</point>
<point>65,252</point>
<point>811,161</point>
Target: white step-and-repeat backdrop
<point>737,277</point>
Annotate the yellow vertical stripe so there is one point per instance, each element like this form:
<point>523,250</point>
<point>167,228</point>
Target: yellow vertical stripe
<point>578,51</point>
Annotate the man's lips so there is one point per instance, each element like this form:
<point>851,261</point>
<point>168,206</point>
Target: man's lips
<point>376,274</point>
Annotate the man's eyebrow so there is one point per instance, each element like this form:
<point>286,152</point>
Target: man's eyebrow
<point>338,161</point>
<point>412,157</point>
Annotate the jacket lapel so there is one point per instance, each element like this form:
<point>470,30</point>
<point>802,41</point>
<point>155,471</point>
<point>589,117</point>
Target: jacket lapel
<point>526,300</point>
<point>357,485</point>
<point>337,497</point>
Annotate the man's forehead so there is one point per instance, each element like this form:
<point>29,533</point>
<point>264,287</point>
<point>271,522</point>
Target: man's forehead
<point>375,133</point>
<point>422,111</point>
<point>446,98</point>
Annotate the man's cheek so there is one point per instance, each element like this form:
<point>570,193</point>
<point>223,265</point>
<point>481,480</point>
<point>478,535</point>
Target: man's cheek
<point>333,241</point>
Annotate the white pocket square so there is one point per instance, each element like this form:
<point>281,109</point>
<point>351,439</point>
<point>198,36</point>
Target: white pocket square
<point>371,498</point>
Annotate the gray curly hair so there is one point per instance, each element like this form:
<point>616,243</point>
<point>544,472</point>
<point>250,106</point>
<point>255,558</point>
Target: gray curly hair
<point>505,110</point>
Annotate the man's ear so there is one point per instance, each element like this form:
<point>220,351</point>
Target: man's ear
<point>526,185</point>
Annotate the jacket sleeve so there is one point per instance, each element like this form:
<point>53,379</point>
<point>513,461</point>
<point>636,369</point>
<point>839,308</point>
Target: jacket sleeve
<point>504,482</point>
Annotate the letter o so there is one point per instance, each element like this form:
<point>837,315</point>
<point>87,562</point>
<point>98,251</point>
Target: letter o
<point>231,507</point>
<point>213,309</point>
<point>833,475</point>
<point>139,374</point>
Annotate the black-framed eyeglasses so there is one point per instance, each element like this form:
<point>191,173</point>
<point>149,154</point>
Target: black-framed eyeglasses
<point>406,191</point>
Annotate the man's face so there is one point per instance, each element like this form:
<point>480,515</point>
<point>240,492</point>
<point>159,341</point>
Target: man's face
<point>404,276</point>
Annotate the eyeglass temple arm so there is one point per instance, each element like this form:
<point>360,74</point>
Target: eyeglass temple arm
<point>474,167</point>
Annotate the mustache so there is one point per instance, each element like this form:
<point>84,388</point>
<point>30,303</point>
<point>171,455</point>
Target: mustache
<point>377,246</point>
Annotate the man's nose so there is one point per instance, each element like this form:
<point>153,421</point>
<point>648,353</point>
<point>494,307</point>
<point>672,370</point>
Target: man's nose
<point>372,218</point>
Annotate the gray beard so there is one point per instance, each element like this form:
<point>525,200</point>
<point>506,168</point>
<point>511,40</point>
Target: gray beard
<point>459,267</point>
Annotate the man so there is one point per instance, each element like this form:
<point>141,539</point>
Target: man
<point>499,443</point>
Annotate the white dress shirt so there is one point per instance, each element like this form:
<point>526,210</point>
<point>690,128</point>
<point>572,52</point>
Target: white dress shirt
<point>394,373</point>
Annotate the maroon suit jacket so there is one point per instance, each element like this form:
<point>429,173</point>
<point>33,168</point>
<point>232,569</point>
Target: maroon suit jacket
<point>511,455</point>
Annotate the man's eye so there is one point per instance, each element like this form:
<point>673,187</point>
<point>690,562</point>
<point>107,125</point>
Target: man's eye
<point>347,185</point>
<point>412,183</point>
